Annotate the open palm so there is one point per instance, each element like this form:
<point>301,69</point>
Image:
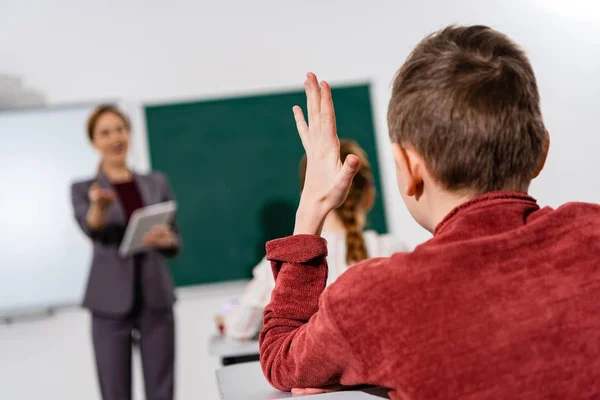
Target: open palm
<point>327,180</point>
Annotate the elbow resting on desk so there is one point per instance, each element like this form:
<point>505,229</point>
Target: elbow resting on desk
<point>300,344</point>
<point>300,353</point>
<point>279,368</point>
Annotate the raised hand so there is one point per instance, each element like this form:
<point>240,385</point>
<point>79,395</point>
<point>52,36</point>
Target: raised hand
<point>100,197</point>
<point>327,180</point>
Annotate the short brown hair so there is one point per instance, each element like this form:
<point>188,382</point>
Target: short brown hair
<point>101,110</point>
<point>467,100</point>
<point>356,249</point>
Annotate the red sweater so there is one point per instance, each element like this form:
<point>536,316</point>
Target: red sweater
<point>503,302</point>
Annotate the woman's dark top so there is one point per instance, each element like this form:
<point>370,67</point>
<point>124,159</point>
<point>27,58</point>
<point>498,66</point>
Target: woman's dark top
<point>131,200</point>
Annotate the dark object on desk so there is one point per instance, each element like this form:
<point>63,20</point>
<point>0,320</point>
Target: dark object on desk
<point>232,351</point>
<point>240,359</point>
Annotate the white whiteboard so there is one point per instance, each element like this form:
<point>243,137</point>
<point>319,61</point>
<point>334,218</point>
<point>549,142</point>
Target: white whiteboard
<point>44,259</point>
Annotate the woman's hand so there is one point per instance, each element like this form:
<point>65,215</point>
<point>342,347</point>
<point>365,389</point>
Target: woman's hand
<point>160,237</point>
<point>327,180</point>
<point>100,197</point>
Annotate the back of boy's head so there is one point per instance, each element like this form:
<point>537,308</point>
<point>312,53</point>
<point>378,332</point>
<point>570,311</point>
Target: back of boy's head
<point>348,212</point>
<point>467,101</point>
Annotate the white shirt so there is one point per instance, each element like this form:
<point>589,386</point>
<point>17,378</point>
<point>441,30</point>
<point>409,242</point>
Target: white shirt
<point>245,321</point>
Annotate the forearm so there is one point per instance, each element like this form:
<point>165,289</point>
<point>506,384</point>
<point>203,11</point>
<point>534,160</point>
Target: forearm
<point>310,217</point>
<point>293,351</point>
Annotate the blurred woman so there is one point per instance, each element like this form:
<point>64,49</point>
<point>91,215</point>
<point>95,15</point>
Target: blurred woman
<point>347,244</point>
<point>130,296</point>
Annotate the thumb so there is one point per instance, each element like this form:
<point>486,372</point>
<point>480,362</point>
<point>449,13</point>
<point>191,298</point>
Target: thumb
<point>349,169</point>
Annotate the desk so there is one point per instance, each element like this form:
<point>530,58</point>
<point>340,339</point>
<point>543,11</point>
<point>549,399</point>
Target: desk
<point>247,382</point>
<point>232,351</point>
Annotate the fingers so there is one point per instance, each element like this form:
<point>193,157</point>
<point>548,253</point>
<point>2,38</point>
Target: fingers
<point>100,191</point>
<point>351,165</point>
<point>157,232</point>
<point>106,194</point>
<point>148,239</point>
<point>162,233</point>
<point>93,191</point>
<point>320,108</point>
<point>325,389</point>
<point>327,111</point>
<point>308,391</point>
<point>101,196</point>
<point>349,169</point>
<point>300,122</point>
<point>313,98</point>
<point>162,228</point>
<point>160,236</point>
<point>104,197</point>
<point>155,237</point>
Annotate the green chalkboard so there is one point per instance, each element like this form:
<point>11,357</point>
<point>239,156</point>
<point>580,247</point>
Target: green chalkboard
<point>233,164</point>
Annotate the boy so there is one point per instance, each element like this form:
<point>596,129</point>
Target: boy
<point>500,303</point>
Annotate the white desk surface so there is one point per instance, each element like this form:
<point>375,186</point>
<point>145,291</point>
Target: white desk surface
<point>221,346</point>
<point>246,382</point>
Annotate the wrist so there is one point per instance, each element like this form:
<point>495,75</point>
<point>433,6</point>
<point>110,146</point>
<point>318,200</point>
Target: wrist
<point>310,217</point>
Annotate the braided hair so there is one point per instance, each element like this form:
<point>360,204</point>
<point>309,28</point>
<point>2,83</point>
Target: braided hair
<point>356,249</point>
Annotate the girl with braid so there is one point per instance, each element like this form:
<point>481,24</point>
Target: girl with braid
<point>347,244</point>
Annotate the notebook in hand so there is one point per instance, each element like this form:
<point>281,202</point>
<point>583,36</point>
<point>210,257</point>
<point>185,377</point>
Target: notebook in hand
<point>142,220</point>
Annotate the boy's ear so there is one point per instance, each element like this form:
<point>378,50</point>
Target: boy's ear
<point>408,166</point>
<point>544,156</point>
